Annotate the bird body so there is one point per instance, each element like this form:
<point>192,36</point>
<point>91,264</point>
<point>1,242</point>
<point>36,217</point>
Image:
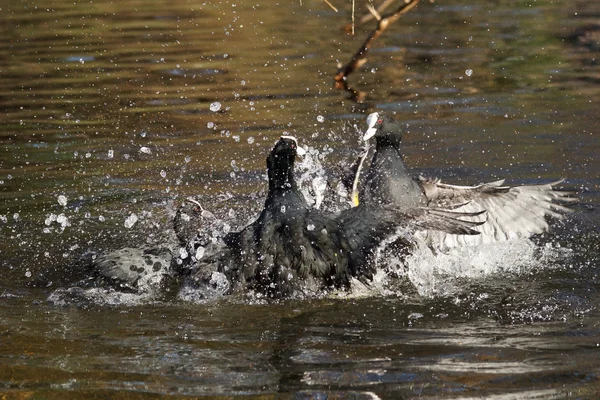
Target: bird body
<point>141,268</point>
<point>289,242</point>
<point>505,212</point>
<point>388,180</point>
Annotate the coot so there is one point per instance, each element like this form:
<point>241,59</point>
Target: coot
<point>511,212</point>
<point>141,268</point>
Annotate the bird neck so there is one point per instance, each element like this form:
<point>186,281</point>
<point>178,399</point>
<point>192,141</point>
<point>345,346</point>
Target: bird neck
<point>282,179</point>
<point>390,154</point>
<point>283,191</point>
<point>390,140</point>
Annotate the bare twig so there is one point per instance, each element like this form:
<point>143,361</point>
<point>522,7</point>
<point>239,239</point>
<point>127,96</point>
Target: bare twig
<point>374,12</point>
<point>330,5</point>
<point>360,57</point>
<point>382,6</point>
<point>353,17</point>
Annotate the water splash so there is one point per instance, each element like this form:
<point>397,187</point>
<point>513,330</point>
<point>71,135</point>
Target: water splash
<point>440,274</point>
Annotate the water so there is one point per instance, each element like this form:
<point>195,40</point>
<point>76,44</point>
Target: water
<point>113,114</point>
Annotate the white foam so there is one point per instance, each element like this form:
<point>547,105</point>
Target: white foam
<point>311,177</point>
<point>441,274</point>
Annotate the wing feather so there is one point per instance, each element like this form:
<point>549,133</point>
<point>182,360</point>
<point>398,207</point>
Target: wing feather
<point>511,211</point>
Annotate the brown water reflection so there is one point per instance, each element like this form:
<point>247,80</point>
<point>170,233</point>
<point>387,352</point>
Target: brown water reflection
<point>109,104</point>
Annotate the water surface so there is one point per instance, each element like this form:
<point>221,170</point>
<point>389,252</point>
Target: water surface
<point>109,105</point>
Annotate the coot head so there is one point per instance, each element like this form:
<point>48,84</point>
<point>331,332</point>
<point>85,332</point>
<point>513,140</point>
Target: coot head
<point>187,220</point>
<point>385,130</point>
<point>280,163</point>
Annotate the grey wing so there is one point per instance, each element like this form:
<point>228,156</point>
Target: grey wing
<point>512,212</point>
<point>366,226</point>
<point>132,267</point>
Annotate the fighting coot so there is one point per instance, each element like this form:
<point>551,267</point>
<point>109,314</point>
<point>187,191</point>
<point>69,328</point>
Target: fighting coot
<point>511,212</point>
<point>139,268</point>
<point>293,246</point>
<point>388,180</point>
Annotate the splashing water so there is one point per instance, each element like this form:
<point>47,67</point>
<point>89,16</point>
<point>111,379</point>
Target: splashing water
<point>439,275</point>
<point>314,182</point>
<point>424,272</point>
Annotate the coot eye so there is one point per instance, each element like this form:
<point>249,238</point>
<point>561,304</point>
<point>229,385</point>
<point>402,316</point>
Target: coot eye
<point>379,121</point>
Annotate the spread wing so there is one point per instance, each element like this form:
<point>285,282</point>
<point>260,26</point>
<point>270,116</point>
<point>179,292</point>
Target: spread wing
<point>365,226</point>
<point>512,212</point>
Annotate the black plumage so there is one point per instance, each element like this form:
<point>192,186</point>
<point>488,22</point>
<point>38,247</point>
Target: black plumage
<point>388,180</point>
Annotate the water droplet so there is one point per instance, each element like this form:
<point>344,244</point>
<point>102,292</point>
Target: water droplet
<point>130,221</point>
<point>216,106</point>
<point>320,118</point>
<point>50,219</point>
<point>310,227</point>
<point>62,200</point>
<point>62,220</point>
<point>145,150</point>
<point>210,125</point>
<point>469,72</point>
<point>163,173</point>
<point>183,254</point>
<point>111,153</point>
<point>226,228</point>
<point>283,209</point>
<point>250,140</point>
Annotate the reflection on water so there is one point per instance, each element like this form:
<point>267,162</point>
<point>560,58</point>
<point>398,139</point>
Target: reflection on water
<point>109,111</point>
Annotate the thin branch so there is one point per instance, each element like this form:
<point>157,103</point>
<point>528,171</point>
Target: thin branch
<point>360,57</point>
<point>352,17</point>
<point>330,5</point>
<point>374,12</point>
<point>382,6</point>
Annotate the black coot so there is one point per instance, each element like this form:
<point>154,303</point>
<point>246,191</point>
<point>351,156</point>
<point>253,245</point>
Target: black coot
<point>135,268</point>
<point>388,181</point>
<point>511,212</point>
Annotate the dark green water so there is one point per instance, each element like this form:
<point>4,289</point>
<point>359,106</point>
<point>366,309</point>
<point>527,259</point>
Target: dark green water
<point>108,104</point>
